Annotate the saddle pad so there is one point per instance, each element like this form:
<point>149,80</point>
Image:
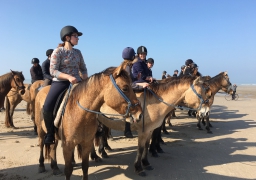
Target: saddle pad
<point>58,117</point>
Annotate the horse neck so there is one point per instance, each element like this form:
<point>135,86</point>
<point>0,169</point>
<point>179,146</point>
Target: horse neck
<point>215,84</point>
<point>5,84</point>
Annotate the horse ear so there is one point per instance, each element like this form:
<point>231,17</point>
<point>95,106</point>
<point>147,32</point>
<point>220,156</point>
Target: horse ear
<point>225,73</point>
<point>12,72</point>
<point>198,80</point>
<point>121,67</point>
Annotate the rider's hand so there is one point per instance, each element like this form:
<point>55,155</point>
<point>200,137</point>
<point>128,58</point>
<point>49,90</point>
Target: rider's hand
<point>72,80</point>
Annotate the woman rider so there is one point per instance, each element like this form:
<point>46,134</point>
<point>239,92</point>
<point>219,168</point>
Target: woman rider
<point>65,64</point>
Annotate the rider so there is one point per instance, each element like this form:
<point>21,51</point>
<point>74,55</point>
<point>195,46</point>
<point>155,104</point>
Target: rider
<point>46,68</point>
<point>36,71</point>
<point>194,70</point>
<point>150,64</point>
<point>234,91</point>
<point>65,64</point>
<point>187,69</point>
<point>164,75</point>
<point>182,70</point>
<point>175,74</point>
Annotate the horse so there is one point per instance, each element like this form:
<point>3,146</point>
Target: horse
<point>220,81</point>
<point>13,79</point>
<point>13,98</point>
<point>165,97</point>
<point>79,123</point>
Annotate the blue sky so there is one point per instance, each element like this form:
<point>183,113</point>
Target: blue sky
<point>219,35</point>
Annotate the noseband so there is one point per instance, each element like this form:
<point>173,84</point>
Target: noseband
<point>121,93</point>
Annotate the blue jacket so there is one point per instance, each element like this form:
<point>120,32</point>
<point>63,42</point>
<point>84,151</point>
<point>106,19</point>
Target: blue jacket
<point>140,67</point>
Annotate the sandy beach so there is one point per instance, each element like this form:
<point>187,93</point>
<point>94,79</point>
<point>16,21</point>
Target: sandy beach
<point>228,153</point>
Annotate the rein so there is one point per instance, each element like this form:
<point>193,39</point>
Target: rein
<point>173,105</point>
<point>121,93</point>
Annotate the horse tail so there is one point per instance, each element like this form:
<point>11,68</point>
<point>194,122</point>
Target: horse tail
<point>79,151</point>
<point>28,110</point>
<point>97,141</point>
<point>47,152</point>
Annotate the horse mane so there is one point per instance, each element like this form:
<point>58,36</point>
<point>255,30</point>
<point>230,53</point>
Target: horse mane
<point>216,78</point>
<point>95,80</point>
<point>8,77</point>
<point>159,88</point>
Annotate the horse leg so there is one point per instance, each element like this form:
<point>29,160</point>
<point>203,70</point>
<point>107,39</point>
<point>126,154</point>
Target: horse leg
<point>103,143</point>
<point>85,158</point>
<point>142,138</point>
<point>144,158</point>
<point>199,117</point>
<point>94,155</point>
<point>207,123</point>
<point>67,153</point>
<point>7,113</point>
<point>158,140</point>
<point>54,166</point>
<point>164,128</point>
<point>168,117</point>
<point>41,167</point>
<point>152,147</point>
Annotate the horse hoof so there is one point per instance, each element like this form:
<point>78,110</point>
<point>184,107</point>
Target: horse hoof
<point>56,172</point>
<point>41,169</point>
<point>142,174</point>
<point>170,124</point>
<point>209,132</point>
<point>149,168</point>
<point>160,151</point>
<point>200,128</point>
<point>210,125</point>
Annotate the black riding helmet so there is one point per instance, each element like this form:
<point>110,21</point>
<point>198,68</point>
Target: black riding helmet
<point>142,49</point>
<point>49,52</point>
<point>35,60</point>
<point>188,61</point>
<point>194,65</point>
<point>150,60</point>
<point>67,31</point>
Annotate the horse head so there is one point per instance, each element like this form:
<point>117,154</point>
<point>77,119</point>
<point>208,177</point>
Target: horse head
<point>121,86</point>
<point>17,81</point>
<point>226,85</point>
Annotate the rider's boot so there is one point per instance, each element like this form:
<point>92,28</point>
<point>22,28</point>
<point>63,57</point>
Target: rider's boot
<point>48,120</point>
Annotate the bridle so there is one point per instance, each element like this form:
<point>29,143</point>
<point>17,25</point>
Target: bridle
<point>130,105</point>
<point>17,86</point>
<point>202,101</point>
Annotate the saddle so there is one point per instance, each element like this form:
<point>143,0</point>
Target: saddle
<point>60,106</point>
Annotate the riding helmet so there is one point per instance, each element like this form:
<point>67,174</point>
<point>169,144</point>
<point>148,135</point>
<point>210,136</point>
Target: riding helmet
<point>128,53</point>
<point>164,72</point>
<point>188,61</point>
<point>49,52</point>
<point>142,49</point>
<point>194,65</point>
<point>150,60</point>
<point>67,31</point>
<point>35,60</point>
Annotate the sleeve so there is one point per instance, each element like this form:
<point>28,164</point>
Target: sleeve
<point>55,63</point>
<point>82,66</point>
<point>137,68</point>
<point>45,69</point>
<point>32,73</point>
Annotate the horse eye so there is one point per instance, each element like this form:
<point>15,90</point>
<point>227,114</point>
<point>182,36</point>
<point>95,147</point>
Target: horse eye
<point>125,89</point>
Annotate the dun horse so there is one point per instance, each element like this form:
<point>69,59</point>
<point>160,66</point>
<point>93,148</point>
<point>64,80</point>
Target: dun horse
<point>220,81</point>
<point>13,98</point>
<point>78,125</point>
<point>172,93</point>
<point>13,79</point>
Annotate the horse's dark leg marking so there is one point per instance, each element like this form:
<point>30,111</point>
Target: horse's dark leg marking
<point>54,166</point>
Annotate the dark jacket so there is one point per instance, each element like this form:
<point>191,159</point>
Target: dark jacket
<point>36,73</point>
<point>163,76</point>
<point>174,75</point>
<point>140,67</point>
<point>46,69</point>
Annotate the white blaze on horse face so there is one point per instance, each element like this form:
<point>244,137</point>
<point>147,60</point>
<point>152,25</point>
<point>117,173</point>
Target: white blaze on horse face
<point>204,111</point>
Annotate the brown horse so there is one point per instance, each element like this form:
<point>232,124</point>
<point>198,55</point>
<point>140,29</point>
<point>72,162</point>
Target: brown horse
<point>13,79</point>
<point>218,82</point>
<point>78,125</point>
<point>13,98</point>
<point>180,89</point>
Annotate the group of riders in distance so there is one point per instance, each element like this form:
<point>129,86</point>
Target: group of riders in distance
<point>64,77</point>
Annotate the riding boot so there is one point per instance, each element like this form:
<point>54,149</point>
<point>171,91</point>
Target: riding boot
<point>127,131</point>
<point>48,120</point>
